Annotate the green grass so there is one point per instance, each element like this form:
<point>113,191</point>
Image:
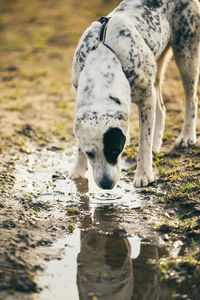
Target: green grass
<point>190,187</point>
<point>13,45</point>
<point>19,106</point>
<point>176,225</point>
<point>59,128</point>
<point>62,105</point>
<point>131,151</point>
<point>25,149</point>
<point>72,211</point>
<point>16,93</point>
<point>71,227</point>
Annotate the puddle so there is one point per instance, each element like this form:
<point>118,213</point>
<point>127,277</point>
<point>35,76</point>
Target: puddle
<point>93,244</point>
<point>94,265</point>
<point>99,266</point>
<point>101,259</point>
<point>59,279</point>
<point>44,175</point>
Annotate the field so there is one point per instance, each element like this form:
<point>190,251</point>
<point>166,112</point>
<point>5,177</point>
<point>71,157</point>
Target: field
<point>38,206</point>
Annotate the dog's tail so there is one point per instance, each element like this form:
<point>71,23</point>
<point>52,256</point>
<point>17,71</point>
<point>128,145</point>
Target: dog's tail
<point>162,65</point>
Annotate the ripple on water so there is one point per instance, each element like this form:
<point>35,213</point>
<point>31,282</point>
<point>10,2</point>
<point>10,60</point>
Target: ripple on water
<point>45,176</point>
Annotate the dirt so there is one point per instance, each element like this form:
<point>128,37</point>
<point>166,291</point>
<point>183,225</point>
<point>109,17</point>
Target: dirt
<point>134,243</point>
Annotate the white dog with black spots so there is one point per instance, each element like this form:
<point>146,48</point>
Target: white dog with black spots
<point>121,59</point>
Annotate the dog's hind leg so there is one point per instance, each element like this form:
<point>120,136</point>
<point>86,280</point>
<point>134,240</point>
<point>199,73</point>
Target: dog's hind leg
<point>186,47</point>
<point>80,167</point>
<point>189,70</point>
<point>160,108</point>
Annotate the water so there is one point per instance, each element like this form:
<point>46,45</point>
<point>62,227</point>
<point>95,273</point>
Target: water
<point>103,259</point>
<point>100,259</point>
<point>59,279</point>
<point>44,177</point>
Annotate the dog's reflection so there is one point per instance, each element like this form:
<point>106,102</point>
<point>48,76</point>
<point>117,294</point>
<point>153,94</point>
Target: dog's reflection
<point>105,269</point>
<point>104,262</point>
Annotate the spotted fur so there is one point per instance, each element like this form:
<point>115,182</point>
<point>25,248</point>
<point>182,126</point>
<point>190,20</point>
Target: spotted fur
<point>140,34</point>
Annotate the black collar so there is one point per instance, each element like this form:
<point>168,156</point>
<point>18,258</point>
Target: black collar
<point>102,35</point>
<point>104,21</point>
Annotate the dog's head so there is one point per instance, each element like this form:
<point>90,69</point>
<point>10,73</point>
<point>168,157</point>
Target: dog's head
<point>102,114</point>
<point>102,139</point>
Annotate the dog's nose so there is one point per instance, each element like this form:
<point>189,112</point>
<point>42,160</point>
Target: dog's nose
<point>106,184</point>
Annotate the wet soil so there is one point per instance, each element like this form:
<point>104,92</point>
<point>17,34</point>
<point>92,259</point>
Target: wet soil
<point>67,239</point>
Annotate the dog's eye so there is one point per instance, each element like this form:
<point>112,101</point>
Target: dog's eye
<point>91,155</point>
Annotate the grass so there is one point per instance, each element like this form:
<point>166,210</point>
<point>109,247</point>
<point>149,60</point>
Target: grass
<point>39,41</point>
<point>2,147</point>
<point>189,187</point>
<point>59,128</point>
<point>172,267</point>
<point>20,106</point>
<point>16,94</point>
<point>192,166</point>
<point>176,225</point>
<point>11,46</point>
<point>25,149</point>
<point>42,141</point>
<point>177,195</point>
<point>173,175</point>
<point>131,151</point>
<point>173,163</point>
<point>62,105</point>
<point>185,190</point>
<point>168,136</point>
<point>72,211</point>
<point>32,75</point>
<point>71,227</point>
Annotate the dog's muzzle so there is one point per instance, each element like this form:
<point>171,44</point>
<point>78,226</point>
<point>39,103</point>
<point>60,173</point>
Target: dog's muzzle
<point>106,183</point>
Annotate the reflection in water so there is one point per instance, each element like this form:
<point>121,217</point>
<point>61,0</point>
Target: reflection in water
<point>104,262</point>
<point>107,271</point>
<point>107,267</point>
<point>104,267</point>
<point>113,266</point>
<point>145,274</point>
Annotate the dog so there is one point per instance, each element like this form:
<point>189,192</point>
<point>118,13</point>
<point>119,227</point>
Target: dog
<point>121,59</point>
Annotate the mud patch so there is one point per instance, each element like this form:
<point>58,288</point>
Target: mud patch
<point>71,238</point>
<point>49,206</point>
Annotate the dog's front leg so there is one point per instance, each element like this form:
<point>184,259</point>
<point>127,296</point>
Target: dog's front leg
<point>80,167</point>
<point>144,173</point>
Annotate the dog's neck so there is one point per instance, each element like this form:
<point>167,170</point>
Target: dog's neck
<point>103,82</point>
<point>102,35</point>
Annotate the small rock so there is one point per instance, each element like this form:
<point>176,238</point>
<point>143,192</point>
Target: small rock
<point>165,228</point>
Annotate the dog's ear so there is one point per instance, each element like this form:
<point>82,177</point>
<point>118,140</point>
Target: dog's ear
<point>113,144</point>
<point>121,115</point>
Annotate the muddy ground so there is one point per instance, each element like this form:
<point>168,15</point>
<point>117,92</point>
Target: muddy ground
<point>40,206</point>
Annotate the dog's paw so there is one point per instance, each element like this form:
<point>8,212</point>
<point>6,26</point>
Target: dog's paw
<point>143,179</point>
<point>185,141</point>
<point>156,148</point>
<point>75,174</point>
<point>157,143</point>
